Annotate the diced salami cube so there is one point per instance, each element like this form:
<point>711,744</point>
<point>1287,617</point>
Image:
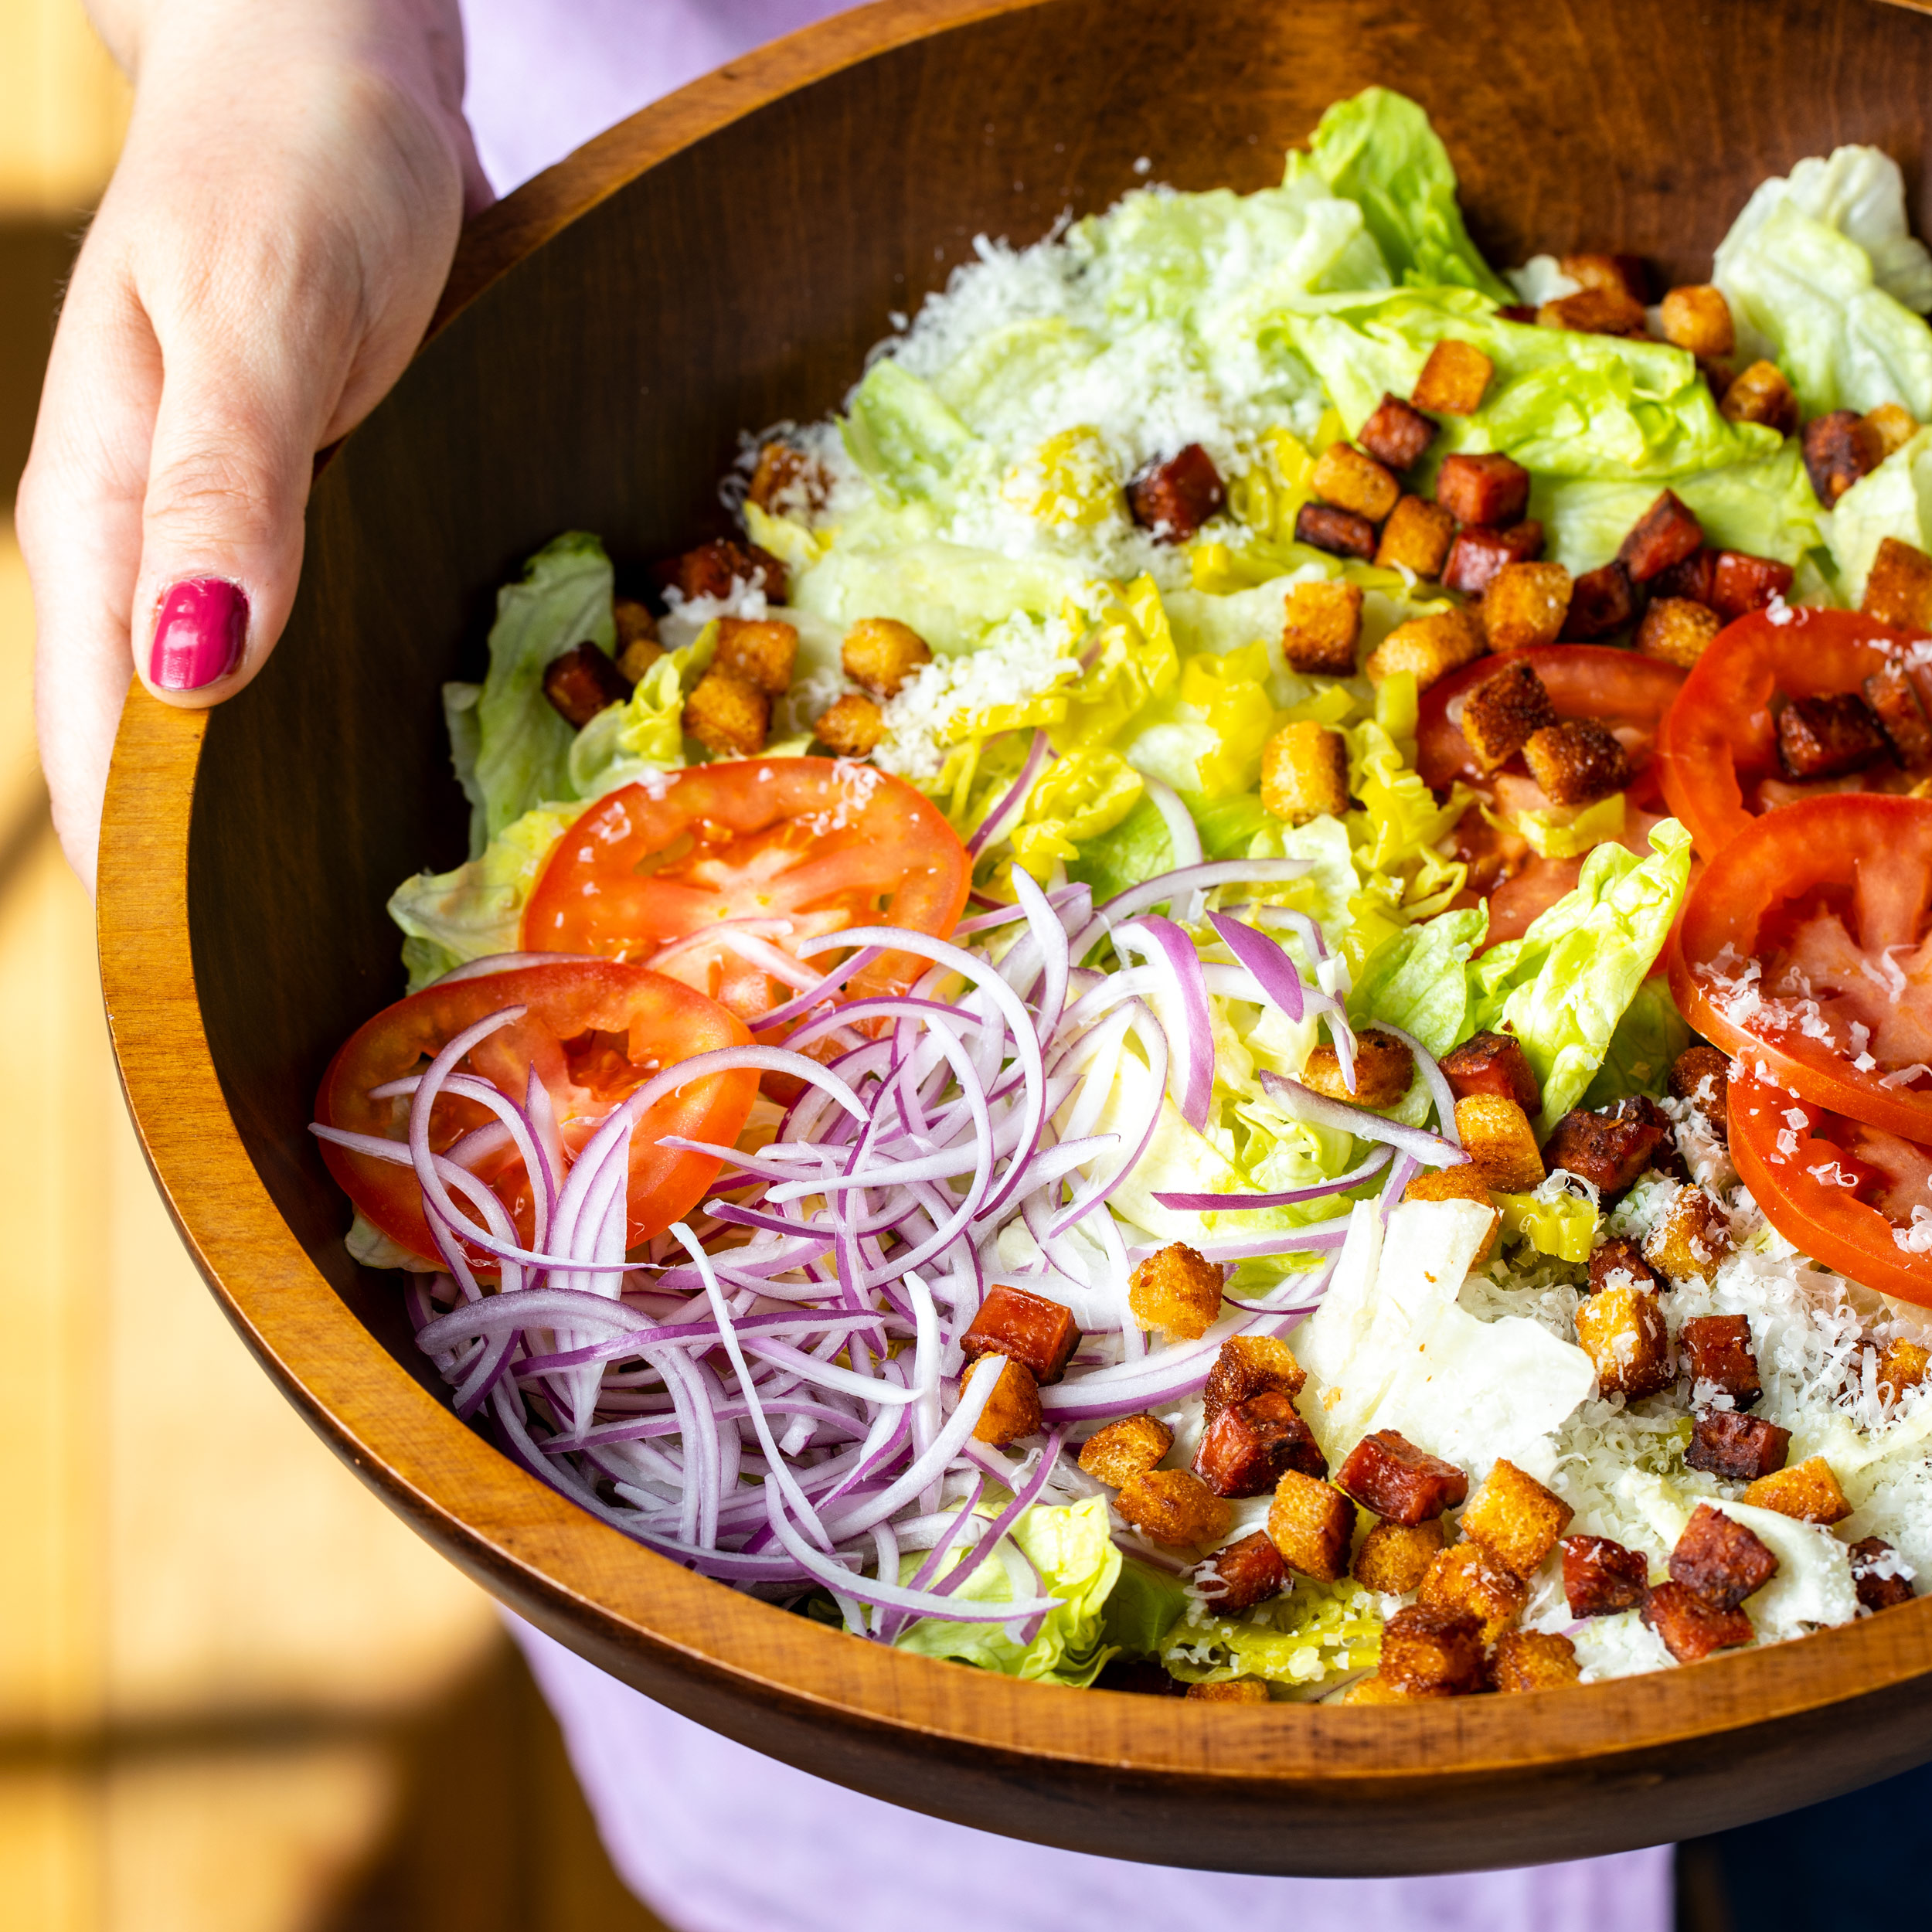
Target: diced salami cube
<point>1691,1629</point>
<point>1492,490</point>
<point>1386,1473</point>
<point>713,569</point>
<point>1028,1327</point>
<point>1839,449</point>
<point>1739,1448</point>
<point>1895,701</point>
<point>1480,553</point>
<point>1243,1574</point>
<point>1601,603</point>
<point>1493,1063</point>
<point>1665,534</point>
<point>1881,1577</point>
<point>1397,433</point>
<point>581,682</point>
<point>1621,1263</point>
<point>1247,1449</point>
<point>1601,1577</point>
<point>1720,1358</point>
<point>1694,579</point>
<point>1609,1147</point>
<point>1829,735</point>
<point>1340,532</point>
<point>1172,499</point>
<point>1720,1561</point>
<point>1741,583</point>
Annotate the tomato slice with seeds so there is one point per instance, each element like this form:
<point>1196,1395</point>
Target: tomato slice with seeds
<point>595,1031</point>
<point>1806,944</point>
<point>714,874</point>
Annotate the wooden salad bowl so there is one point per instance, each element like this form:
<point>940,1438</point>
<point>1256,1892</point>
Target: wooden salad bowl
<point>719,262</point>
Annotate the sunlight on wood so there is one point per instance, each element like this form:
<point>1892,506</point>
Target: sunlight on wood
<point>63,108</point>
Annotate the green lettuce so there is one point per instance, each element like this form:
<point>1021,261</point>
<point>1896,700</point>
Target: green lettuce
<point>1419,980</point>
<point>903,437</point>
<point>1137,848</point>
<point>1895,500</point>
<point>1649,1036</point>
<point>1143,1606</point>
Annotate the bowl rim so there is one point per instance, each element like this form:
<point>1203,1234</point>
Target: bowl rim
<point>638,1615</point>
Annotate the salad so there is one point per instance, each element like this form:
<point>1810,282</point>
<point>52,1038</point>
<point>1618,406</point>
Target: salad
<point>1238,1004</point>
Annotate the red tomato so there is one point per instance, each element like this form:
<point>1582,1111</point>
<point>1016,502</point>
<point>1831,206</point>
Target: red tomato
<point>595,1031</point>
<point>1804,945</point>
<point>1841,1191</point>
<point>1717,753</point>
<point>1628,693</point>
<point>772,851</point>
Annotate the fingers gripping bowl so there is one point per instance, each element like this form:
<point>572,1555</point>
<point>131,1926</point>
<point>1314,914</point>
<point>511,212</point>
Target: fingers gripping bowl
<point>241,943</point>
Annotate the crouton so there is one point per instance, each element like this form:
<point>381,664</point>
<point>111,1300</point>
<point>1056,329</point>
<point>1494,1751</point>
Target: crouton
<point>637,645</point>
<point>1839,449</point>
<point>1609,1147</point>
<point>1304,772</point>
<point>1898,587</point>
<point>1677,630</point>
<point>1388,1475</point>
<point>1531,1660</point>
<point>1350,481</point>
<point>1621,1263</point>
<point>1117,1452</point>
<point>786,482</point>
<point>1501,1144</point>
<point>1396,433</point>
<point>1340,532</point>
<point>1493,1063</point>
<point>1719,1358</point>
<point>1429,648</point>
<point>1621,1329</point>
<point>1602,602</point>
<point>1493,491</point>
<point>854,727</point>
<point>1322,628</point>
<point>1807,1491</point>
<point>1029,1327</point>
<point>1692,1237</point>
<point>1738,1447</point>
<point>1626,275</point>
<point>1394,1555</point>
<point>1384,1067</point>
<point>1890,427</point>
<point>1417,537</point>
<point>1013,1409</point>
<point>1702,1075</point>
<point>715,569</point>
<point>761,653</point>
<point>1230,1690</point>
<point>1741,583</point>
<point>582,682</point>
<point>1177,1291</point>
<point>1515,1519</point>
<point>1243,1574</point>
<point>1760,394</point>
<point>1174,1507</point>
<point>1481,553</point>
<point>1250,1446</point>
<point>1453,379</point>
<point>1311,1524</point>
<point>1432,1653</point>
<point>1370,1690</point>
<point>1464,1578</point>
<point>1525,604</point>
<point>1247,1364</point>
<point>1902,1365</point>
<point>1691,1629</point>
<point>1697,317</point>
<point>1600,1576</point>
<point>1460,1182</point>
<point>1881,1577</point>
<point>1829,735</point>
<point>1720,1561</point>
<point>1895,701</point>
<point>1172,499</point>
<point>1666,533</point>
<point>1593,311</point>
<point>882,655</point>
<point>727,716</point>
<point>1501,715</point>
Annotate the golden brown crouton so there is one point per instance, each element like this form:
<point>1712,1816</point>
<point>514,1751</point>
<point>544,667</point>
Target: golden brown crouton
<point>1013,1409</point>
<point>1178,1291</point>
<point>1429,648</point>
<point>1890,428</point>
<point>1593,311</point>
<point>1460,1182</point>
<point>1506,710</point>
<point>726,714</point>
<point>1453,379</point>
<point>1249,1365</point>
<point>1371,1690</point>
<point>1577,762</point>
<point>1350,481</point>
<point>1621,1329</point>
<point>1807,1490</point>
<point>1304,772</point>
<point>854,727</point>
<point>1500,1142</point>
<point>638,646</point>
<point>1525,605</point>
<point>1322,627</point>
<point>1175,1507</point>
<point>881,654</point>
<point>1531,1660</point>
<point>1384,1066</point>
<point>786,481</point>
<point>1899,588</point>
<point>761,653</point>
<point>1231,1690</point>
<point>1676,631</point>
<point>1760,394</point>
<point>1692,1238</point>
<point>1417,537</point>
<point>1432,1653</point>
<point>1625,275</point>
<point>1515,1519</point>
<point>1311,1524</point>
<point>1393,1555</point>
<point>1702,1075</point>
<point>1117,1452</point>
<point>1463,1578</point>
<point>1902,1365</point>
<point>1697,317</point>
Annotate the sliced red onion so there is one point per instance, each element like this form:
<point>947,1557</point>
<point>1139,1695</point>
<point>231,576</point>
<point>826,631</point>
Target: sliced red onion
<point>1441,1095</point>
<point>510,963</point>
<point>1273,971</point>
<point>1183,835</point>
<point>1291,1197</point>
<point>1004,815</point>
<point>1161,941</point>
<point>1303,1104</point>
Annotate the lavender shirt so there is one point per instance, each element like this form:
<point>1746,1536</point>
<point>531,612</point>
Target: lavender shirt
<point>674,1802</point>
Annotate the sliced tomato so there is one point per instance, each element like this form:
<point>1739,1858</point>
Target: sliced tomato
<point>1841,1191</point>
<point>1804,945</point>
<point>714,874</point>
<point>1629,694</point>
<point>1717,753</point>
<point>594,1032</point>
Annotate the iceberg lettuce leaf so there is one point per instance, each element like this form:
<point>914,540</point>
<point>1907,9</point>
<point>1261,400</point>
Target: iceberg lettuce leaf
<point>1419,980</point>
<point>1649,1036</point>
<point>1894,500</point>
<point>899,432</point>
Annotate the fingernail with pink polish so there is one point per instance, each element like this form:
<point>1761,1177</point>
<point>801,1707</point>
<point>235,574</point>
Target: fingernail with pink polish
<point>199,631</point>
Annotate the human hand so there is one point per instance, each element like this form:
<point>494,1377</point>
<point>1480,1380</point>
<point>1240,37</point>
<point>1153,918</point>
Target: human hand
<point>264,263</point>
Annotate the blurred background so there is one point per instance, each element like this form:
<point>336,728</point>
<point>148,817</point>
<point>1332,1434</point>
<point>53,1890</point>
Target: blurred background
<point>235,1694</point>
